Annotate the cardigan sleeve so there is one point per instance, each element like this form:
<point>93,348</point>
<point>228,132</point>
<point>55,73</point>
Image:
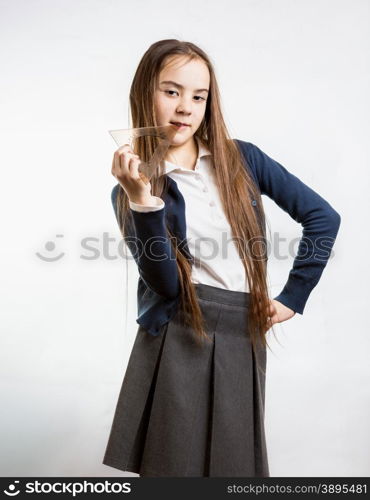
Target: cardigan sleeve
<point>318,218</point>
<point>148,242</point>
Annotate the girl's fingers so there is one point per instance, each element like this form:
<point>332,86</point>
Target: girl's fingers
<point>126,148</point>
<point>272,316</point>
<point>271,309</point>
<point>121,160</point>
<point>125,159</point>
<point>134,168</point>
<point>116,160</point>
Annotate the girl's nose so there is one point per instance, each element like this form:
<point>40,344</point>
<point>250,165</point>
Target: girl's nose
<point>184,106</point>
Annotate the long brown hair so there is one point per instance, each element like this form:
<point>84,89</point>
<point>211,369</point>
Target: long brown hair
<point>236,186</point>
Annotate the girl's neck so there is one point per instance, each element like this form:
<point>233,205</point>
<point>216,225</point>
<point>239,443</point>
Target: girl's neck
<point>185,155</point>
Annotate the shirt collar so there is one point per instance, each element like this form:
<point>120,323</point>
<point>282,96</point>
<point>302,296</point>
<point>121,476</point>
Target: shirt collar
<point>203,151</point>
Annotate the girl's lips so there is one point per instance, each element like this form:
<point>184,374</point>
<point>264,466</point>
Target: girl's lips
<point>179,125</point>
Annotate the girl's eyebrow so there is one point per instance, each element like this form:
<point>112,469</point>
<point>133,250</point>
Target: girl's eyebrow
<point>181,86</point>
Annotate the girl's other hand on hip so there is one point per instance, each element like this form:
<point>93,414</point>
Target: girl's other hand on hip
<point>277,313</point>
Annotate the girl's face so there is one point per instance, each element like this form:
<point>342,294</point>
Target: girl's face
<point>181,96</point>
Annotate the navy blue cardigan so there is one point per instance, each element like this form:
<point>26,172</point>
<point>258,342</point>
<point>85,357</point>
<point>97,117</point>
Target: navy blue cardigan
<point>158,289</point>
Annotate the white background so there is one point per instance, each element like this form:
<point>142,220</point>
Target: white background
<point>294,79</point>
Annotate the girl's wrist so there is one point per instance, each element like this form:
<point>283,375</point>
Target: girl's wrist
<point>148,200</point>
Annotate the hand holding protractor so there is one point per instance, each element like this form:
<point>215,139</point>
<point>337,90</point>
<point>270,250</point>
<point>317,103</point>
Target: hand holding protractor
<point>126,136</point>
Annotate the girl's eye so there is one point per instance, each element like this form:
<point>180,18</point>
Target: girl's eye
<point>200,97</point>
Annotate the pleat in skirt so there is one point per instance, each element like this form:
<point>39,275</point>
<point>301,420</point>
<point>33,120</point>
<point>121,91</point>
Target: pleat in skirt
<point>187,409</point>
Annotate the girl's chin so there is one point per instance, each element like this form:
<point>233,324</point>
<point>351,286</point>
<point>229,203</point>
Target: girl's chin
<point>180,138</point>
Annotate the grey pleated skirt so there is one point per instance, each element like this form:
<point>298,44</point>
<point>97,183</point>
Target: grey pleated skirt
<point>188,409</point>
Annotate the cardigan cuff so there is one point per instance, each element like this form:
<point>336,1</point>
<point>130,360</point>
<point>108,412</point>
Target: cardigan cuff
<point>158,204</point>
<point>295,294</point>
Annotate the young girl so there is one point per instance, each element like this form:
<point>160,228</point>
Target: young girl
<point>193,396</point>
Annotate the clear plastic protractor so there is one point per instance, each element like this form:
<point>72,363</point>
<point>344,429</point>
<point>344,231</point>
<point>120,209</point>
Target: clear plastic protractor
<point>126,136</point>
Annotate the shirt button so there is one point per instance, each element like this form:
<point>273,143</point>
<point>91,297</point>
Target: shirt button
<point>205,189</point>
<point>212,203</point>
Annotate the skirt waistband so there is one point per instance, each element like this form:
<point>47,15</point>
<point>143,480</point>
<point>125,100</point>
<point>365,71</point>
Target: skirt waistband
<point>222,295</point>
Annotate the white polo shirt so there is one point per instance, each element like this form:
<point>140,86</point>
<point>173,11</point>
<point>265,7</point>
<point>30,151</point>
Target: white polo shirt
<point>216,259</point>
